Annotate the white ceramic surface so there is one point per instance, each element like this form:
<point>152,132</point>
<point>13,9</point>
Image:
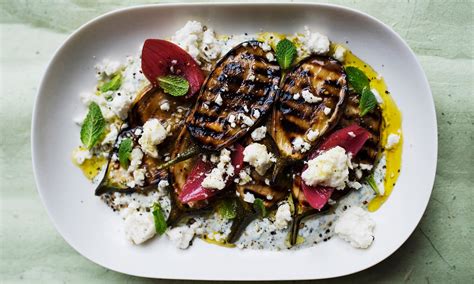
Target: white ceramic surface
<point>95,231</point>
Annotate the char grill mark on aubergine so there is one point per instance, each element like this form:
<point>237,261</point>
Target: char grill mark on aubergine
<point>246,81</point>
<point>324,77</point>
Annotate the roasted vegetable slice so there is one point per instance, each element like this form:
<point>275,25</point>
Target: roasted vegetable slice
<point>260,187</point>
<point>235,96</point>
<point>120,179</point>
<point>154,103</point>
<point>309,105</point>
<point>310,200</point>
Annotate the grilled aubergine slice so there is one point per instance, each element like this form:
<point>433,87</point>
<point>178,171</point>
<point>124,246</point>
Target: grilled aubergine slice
<point>117,178</point>
<point>148,105</point>
<point>372,122</point>
<point>270,193</point>
<point>235,96</point>
<point>294,117</point>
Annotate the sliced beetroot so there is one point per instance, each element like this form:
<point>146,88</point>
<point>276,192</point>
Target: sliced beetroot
<point>194,191</point>
<point>351,138</point>
<point>317,196</point>
<point>161,58</point>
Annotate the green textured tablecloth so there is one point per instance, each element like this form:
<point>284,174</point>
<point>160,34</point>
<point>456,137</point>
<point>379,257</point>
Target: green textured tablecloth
<point>440,250</point>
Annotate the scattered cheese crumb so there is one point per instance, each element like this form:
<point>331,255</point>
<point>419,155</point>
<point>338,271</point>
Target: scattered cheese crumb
<point>300,145</point>
<point>309,97</point>
<point>219,100</point>
<point>392,141</point>
<point>259,133</point>
<point>283,216</point>
<point>139,227</point>
<point>356,227</point>
<point>327,110</point>
<point>312,135</point>
<point>257,156</point>
<point>153,134</point>
<point>249,197</point>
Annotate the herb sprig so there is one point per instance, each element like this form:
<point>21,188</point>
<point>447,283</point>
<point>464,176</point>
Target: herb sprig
<point>93,126</point>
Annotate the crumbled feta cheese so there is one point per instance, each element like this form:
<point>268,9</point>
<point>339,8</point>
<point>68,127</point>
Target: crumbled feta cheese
<point>108,67</point>
<point>120,105</point>
<point>300,145</point>
<point>188,38</point>
<point>259,133</point>
<point>181,236</point>
<point>81,154</point>
<point>351,134</point>
<point>270,56</point>
<point>327,110</point>
<point>296,96</point>
<point>210,47</point>
<point>356,227</point>
<point>162,186</point>
<point>314,42</point>
<point>392,141</point>
<point>365,167</point>
<point>257,156</point>
<point>354,184</point>
<point>111,136</point>
<point>216,179</point>
<point>244,176</point>
<point>339,53</point>
<point>377,96</point>
<point>165,106</point>
<point>256,113</point>
<point>251,77</point>
<point>136,157</point>
<point>312,135</point>
<point>283,216</point>
<point>245,119</point>
<point>138,178</point>
<point>153,134</point>
<point>265,46</point>
<point>139,227</point>
<point>309,97</point>
<point>249,197</point>
<point>219,100</point>
<point>330,168</point>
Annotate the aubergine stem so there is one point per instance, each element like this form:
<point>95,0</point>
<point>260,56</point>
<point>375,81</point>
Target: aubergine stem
<point>183,156</point>
<point>295,225</point>
<point>241,221</point>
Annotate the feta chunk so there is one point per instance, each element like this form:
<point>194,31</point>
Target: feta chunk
<point>259,133</point>
<point>312,135</point>
<point>136,157</point>
<point>139,227</point>
<point>181,236</point>
<point>111,136</point>
<point>153,134</point>
<point>326,110</point>
<point>81,154</point>
<point>165,106</point>
<point>219,100</point>
<point>356,227</point>
<point>216,179</point>
<point>244,177</point>
<point>314,42</point>
<point>330,168</point>
<point>392,141</point>
<point>283,216</point>
<point>309,97</point>
<point>300,145</point>
<point>257,156</point>
<point>188,38</point>
<point>339,53</point>
<point>249,197</point>
<point>270,56</point>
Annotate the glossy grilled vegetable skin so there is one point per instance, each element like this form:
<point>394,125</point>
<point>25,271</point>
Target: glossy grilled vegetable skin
<point>148,105</point>
<point>324,77</point>
<point>111,182</point>
<point>243,82</point>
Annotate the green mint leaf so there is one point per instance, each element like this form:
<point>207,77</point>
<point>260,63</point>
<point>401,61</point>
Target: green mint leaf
<point>357,79</point>
<point>227,209</point>
<point>159,217</point>
<point>112,85</point>
<point>260,207</point>
<point>124,151</point>
<point>174,85</point>
<point>371,181</point>
<point>285,53</point>
<point>93,126</point>
<point>367,101</point>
